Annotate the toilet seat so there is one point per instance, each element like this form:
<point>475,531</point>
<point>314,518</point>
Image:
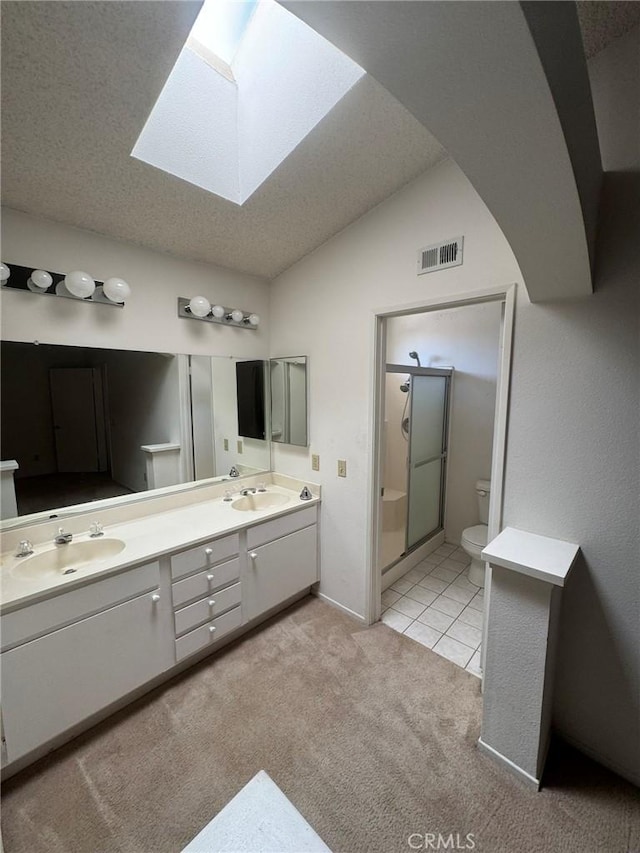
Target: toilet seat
<point>476,535</point>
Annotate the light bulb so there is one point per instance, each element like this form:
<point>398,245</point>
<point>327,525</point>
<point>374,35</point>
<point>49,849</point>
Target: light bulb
<point>39,281</point>
<point>254,319</point>
<point>80,284</point>
<point>218,312</point>
<point>237,316</point>
<point>5,272</point>
<point>199,306</point>
<point>116,289</point>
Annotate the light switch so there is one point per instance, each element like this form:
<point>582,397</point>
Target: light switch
<point>239,446</point>
<point>342,467</point>
<point>315,462</point>
<point>226,444</point>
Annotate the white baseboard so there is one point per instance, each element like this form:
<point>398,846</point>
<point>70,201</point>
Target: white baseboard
<point>339,606</point>
<point>525,777</point>
<point>411,560</point>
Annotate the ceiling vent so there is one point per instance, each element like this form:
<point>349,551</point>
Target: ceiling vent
<point>440,256</point>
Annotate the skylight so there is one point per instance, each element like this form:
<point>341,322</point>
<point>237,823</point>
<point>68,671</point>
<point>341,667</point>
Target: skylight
<point>221,24</point>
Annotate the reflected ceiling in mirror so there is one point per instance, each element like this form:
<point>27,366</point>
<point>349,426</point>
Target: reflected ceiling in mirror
<point>76,421</point>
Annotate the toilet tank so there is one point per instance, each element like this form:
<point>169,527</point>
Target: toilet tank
<point>483,490</point>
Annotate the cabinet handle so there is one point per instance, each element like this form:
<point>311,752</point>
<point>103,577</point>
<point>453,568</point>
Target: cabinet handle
<point>155,597</point>
<point>211,602</point>
<point>208,551</point>
<point>253,555</point>
<point>209,577</point>
<point>212,629</point>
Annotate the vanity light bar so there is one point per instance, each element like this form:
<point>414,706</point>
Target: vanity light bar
<point>76,285</point>
<point>199,308</point>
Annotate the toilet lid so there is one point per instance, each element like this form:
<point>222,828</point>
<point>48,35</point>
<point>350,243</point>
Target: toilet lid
<point>476,535</point>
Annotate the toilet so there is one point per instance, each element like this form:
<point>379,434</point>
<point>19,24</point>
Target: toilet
<point>474,538</point>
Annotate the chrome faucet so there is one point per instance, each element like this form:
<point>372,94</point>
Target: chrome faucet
<point>24,548</point>
<point>234,472</point>
<point>63,538</point>
<point>250,491</point>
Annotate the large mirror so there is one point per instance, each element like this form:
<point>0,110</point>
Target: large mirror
<point>88,424</point>
<point>288,381</point>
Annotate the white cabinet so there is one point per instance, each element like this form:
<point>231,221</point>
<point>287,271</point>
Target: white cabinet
<point>283,567</point>
<point>53,683</point>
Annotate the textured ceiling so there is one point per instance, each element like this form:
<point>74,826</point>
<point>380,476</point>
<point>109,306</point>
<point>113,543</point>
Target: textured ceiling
<point>602,22</point>
<point>78,82</point>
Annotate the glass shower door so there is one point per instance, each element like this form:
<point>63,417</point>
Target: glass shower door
<point>427,455</point>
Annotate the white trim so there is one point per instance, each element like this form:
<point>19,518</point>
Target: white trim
<point>506,295</point>
<point>411,560</point>
<point>186,429</point>
<point>339,606</point>
<point>525,777</point>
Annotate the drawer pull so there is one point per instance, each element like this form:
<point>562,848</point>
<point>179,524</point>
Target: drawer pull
<point>155,597</point>
<point>209,577</point>
<point>253,555</point>
<point>212,629</point>
<point>208,551</point>
<point>211,602</point>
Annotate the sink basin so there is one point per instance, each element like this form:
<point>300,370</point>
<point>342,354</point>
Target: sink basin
<point>261,500</point>
<point>66,559</point>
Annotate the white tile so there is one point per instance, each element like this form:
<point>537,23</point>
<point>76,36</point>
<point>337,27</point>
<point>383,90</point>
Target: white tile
<point>466,634</point>
<point>453,650</point>
<point>429,562</point>
<point>444,550</point>
<point>460,556</point>
<point>435,619</point>
<point>388,597</point>
<point>474,665</point>
<point>414,575</point>
<point>463,582</point>
<point>458,594</point>
<point>444,574</point>
<point>471,617</point>
<point>454,565</point>
<point>424,596</point>
<point>434,584</point>
<point>409,607</point>
<point>448,606</point>
<point>401,585</point>
<point>477,602</point>
<point>395,620</point>
<point>423,634</point>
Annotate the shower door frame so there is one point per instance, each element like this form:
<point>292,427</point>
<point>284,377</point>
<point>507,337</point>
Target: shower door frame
<point>503,294</point>
<point>447,373</point>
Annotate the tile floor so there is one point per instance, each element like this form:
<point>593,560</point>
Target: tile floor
<point>436,604</point>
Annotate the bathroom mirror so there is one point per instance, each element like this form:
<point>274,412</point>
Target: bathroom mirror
<point>288,383</point>
<point>76,419</point>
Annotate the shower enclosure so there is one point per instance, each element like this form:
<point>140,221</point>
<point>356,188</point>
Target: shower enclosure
<point>417,404</point>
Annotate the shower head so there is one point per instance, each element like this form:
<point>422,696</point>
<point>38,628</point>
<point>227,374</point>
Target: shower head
<point>415,355</point>
<point>406,385</point>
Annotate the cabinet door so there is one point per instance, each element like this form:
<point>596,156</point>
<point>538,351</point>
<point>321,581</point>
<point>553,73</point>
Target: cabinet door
<point>279,570</point>
<point>53,683</point>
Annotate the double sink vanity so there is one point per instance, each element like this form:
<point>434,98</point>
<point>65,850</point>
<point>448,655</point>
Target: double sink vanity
<point>122,598</point>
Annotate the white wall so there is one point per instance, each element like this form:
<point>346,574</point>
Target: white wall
<point>467,339</point>
<point>572,443</point>
<point>149,320</point>
<point>323,307</point>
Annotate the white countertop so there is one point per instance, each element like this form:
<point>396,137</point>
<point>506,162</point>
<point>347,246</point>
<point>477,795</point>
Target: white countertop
<point>145,539</point>
<point>259,819</point>
<point>530,554</point>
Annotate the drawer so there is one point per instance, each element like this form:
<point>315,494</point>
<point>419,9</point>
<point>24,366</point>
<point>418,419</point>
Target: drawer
<point>207,608</point>
<point>197,586</point>
<point>282,526</point>
<point>203,556</point>
<point>204,636</point>
<point>18,626</point>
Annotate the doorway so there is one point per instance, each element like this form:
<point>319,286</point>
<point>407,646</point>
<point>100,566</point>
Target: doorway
<point>505,299</point>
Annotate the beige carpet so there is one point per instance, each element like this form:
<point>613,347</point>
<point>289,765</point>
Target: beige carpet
<point>370,735</point>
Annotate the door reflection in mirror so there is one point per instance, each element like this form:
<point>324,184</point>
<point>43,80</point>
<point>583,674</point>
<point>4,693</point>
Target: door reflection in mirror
<point>289,400</point>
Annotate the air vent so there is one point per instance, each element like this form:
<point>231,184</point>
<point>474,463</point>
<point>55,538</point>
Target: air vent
<point>440,256</point>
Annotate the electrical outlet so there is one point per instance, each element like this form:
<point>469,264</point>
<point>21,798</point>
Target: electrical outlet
<point>226,444</point>
<point>342,467</point>
<point>315,462</point>
<point>239,446</point>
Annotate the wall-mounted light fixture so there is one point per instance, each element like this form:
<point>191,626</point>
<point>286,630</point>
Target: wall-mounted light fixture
<point>199,308</point>
<point>73,285</point>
